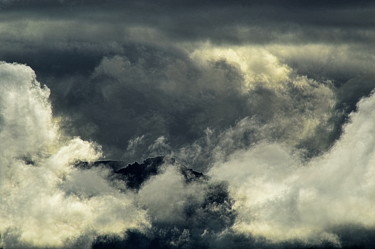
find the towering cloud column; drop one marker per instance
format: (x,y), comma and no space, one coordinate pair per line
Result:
(45,200)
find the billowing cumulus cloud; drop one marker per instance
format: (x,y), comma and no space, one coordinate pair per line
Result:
(45,201)
(281,198)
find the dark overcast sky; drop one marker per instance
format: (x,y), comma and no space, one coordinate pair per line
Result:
(178,21)
(64,41)
(224,87)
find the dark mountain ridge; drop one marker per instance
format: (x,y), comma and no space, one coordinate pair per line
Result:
(135,174)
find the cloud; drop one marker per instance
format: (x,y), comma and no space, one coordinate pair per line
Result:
(279,197)
(279,105)
(256,64)
(183,213)
(153,93)
(257,93)
(166,196)
(138,90)
(229,22)
(43,202)
(193,70)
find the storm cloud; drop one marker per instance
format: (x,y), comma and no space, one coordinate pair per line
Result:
(270,100)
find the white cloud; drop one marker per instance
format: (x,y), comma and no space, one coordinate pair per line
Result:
(45,200)
(280,198)
(166,195)
(257,64)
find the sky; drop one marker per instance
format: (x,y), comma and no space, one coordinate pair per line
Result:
(272,100)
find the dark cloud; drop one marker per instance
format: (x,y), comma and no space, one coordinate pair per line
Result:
(157,94)
(148,100)
(220,21)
